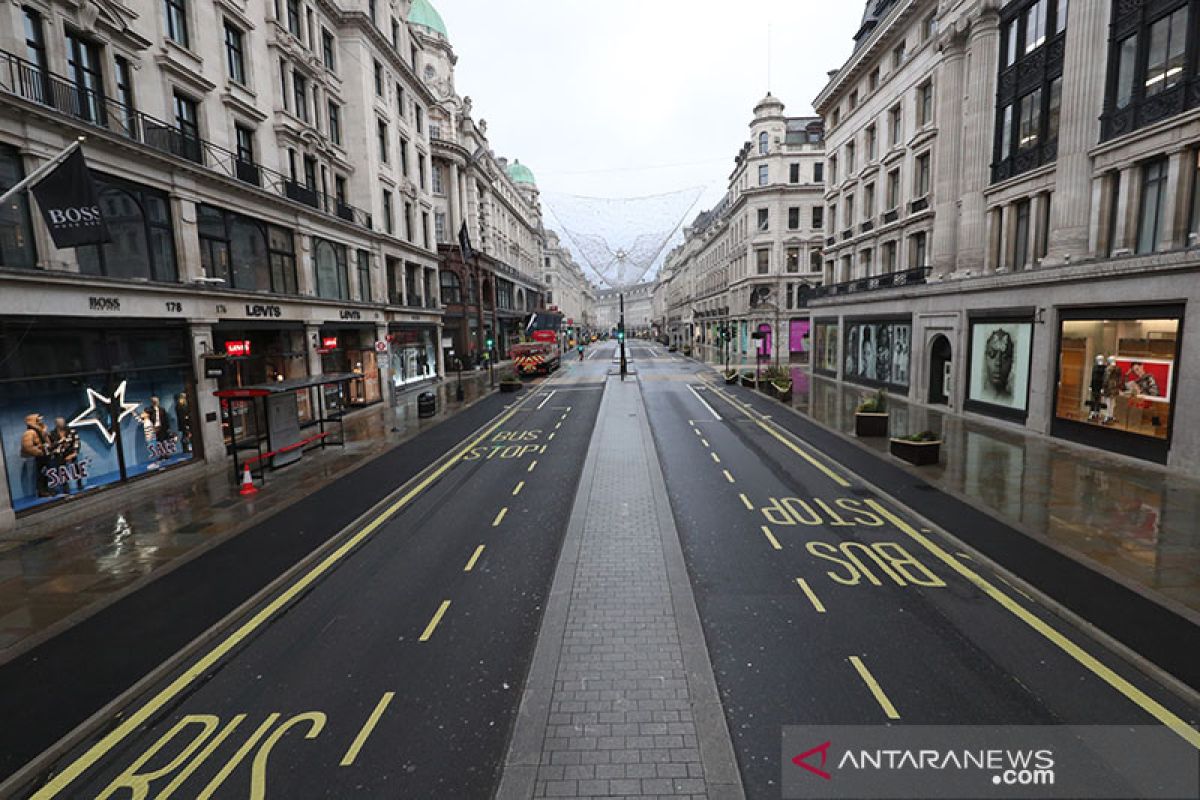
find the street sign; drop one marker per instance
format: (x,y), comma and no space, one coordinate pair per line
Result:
(381,347)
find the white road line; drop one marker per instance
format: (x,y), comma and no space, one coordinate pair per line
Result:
(547,400)
(711,410)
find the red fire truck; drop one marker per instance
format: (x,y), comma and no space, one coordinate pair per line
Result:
(543,354)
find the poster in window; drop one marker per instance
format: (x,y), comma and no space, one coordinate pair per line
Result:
(878,352)
(1000,353)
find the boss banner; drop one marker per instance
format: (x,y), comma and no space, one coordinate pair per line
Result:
(67,199)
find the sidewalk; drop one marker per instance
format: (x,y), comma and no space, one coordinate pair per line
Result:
(1133,522)
(621,698)
(59,569)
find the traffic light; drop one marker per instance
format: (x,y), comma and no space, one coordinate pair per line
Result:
(490,342)
(620,336)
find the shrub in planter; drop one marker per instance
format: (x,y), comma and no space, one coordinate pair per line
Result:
(748,380)
(731,377)
(871,416)
(687,351)
(782,390)
(918,449)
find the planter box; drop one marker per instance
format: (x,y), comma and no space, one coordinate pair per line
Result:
(513,386)
(731,379)
(749,382)
(782,391)
(918,454)
(870,424)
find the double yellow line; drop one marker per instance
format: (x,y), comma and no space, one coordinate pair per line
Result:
(1047,631)
(206,662)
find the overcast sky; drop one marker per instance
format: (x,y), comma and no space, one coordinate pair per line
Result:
(625,98)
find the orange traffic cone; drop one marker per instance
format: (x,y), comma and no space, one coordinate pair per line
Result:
(248,482)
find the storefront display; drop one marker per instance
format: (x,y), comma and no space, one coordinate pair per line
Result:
(413,355)
(84,407)
(1001,352)
(257,355)
(346,349)
(798,340)
(826,359)
(877,352)
(1116,380)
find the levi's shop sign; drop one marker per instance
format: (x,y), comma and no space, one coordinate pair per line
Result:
(329,343)
(239,347)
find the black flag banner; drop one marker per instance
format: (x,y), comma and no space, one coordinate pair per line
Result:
(67,199)
(464,243)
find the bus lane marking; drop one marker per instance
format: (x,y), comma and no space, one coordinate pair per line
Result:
(474,557)
(811,595)
(64,778)
(433,622)
(746,501)
(499,517)
(728,477)
(771,538)
(704,402)
(367,728)
(1084,658)
(876,689)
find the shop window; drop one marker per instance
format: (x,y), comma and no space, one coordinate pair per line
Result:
(877,353)
(1118,375)
(142,242)
(1000,357)
(332,279)
(273,356)
(246,253)
(82,407)
(16,231)
(825,359)
(413,355)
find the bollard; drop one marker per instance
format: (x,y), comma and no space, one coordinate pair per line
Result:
(426,404)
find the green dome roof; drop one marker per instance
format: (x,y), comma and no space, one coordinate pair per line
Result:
(423,13)
(521,173)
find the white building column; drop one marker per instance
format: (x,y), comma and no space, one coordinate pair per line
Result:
(1079,129)
(455,199)
(384,362)
(977,119)
(312,333)
(1173,215)
(211,436)
(947,187)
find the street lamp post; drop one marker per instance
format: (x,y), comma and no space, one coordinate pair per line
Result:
(621,333)
(458,391)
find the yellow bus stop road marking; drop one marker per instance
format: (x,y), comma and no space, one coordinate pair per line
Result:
(715,457)
(433,623)
(532,465)
(499,517)
(746,502)
(875,688)
(139,717)
(1090,662)
(728,477)
(367,728)
(520,485)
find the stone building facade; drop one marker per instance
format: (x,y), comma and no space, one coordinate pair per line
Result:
(486,297)
(265,172)
(568,290)
(1037,264)
(639,309)
(747,264)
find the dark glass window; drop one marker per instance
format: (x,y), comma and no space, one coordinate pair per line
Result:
(328,57)
(1154,195)
(245,144)
(793,218)
(1152,62)
(793,173)
(246,253)
(1021,245)
(364,276)
(293,17)
(451,287)
(83,67)
(16,232)
(124,81)
(138,219)
(300,95)
(175,12)
(335,123)
(332,278)
(1029,88)
(235,56)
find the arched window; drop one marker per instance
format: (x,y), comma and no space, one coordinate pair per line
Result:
(763,143)
(521,300)
(142,243)
(451,287)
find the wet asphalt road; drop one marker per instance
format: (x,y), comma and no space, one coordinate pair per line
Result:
(808,595)
(396,673)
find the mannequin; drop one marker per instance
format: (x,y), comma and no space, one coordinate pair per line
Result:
(1112,388)
(1097,387)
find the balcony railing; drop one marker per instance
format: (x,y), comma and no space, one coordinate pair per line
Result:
(888,280)
(94,109)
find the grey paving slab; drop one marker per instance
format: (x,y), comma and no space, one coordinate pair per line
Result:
(621,698)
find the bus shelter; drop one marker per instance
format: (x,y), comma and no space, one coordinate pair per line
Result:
(286,440)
